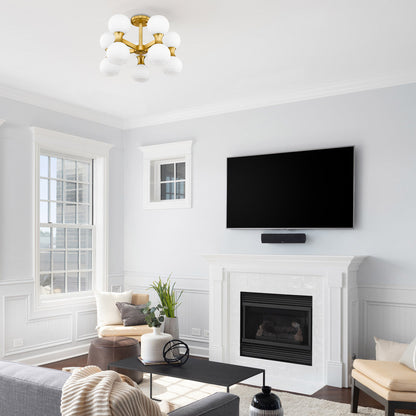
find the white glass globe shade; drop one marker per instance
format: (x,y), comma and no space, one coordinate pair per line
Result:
(172,39)
(141,73)
(106,40)
(119,23)
(173,66)
(118,53)
(158,24)
(109,69)
(158,54)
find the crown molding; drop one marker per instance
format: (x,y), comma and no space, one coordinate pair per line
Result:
(248,103)
(63,107)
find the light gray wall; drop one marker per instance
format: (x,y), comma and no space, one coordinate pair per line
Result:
(67,330)
(380,124)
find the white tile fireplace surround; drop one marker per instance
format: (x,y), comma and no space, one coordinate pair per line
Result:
(330,280)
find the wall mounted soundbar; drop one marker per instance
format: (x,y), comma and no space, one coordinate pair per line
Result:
(283,238)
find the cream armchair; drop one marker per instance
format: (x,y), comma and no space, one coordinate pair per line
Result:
(135,332)
(390,383)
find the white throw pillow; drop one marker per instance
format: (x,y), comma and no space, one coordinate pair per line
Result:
(107,311)
(409,356)
(389,350)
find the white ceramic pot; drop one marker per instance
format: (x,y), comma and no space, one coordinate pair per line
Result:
(152,345)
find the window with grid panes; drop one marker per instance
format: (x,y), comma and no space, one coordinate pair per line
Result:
(172,180)
(66,224)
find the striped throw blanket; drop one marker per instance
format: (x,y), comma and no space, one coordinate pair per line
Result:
(92,392)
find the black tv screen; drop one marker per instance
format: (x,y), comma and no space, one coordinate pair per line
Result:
(307,189)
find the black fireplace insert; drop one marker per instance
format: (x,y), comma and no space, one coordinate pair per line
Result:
(276,327)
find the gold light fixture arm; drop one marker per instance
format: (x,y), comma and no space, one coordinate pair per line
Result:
(141,49)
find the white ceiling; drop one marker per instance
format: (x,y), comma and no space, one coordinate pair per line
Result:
(236,54)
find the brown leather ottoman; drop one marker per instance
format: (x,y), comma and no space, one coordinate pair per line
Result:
(104,351)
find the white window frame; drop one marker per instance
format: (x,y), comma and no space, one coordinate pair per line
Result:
(153,157)
(63,144)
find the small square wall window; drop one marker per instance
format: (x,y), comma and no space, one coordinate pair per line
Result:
(167,175)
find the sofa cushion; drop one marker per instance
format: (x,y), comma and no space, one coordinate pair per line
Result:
(30,391)
(409,356)
(388,374)
(123,331)
(131,314)
(107,311)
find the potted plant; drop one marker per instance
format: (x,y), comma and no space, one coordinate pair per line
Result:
(154,316)
(169,299)
(152,344)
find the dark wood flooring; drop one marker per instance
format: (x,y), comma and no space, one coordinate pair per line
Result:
(333,394)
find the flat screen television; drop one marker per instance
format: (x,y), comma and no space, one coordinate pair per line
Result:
(294,190)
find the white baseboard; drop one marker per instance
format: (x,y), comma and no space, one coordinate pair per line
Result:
(199,351)
(51,357)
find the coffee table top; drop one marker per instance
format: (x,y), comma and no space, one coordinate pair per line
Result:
(195,369)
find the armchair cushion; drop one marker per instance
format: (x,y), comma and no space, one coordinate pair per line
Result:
(123,331)
(387,374)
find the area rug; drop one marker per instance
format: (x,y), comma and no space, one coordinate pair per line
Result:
(182,392)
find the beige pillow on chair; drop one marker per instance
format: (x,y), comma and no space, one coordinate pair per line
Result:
(389,350)
(409,356)
(107,311)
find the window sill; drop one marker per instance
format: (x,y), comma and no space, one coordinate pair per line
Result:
(65,300)
(170,204)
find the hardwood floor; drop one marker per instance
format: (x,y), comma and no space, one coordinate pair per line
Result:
(333,394)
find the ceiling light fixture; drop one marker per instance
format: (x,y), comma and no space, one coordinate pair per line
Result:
(159,52)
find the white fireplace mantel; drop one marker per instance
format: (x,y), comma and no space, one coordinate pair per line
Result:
(332,283)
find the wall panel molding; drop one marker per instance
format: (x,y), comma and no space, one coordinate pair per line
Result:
(48,357)
(17,327)
(86,320)
(387,313)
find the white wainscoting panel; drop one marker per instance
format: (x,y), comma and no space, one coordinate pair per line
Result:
(86,322)
(23,333)
(193,311)
(387,313)
(38,337)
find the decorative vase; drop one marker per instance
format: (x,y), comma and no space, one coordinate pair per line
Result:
(152,345)
(172,327)
(266,404)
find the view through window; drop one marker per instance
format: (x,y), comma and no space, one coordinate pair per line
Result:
(66,224)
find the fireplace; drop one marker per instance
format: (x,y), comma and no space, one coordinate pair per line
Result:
(276,327)
(330,281)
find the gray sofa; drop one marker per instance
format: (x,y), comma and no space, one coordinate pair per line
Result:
(36,391)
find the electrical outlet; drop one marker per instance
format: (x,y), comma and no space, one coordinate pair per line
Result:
(206,333)
(196,332)
(18,342)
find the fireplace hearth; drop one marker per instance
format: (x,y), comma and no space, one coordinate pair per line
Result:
(276,327)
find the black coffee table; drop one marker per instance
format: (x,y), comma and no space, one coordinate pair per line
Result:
(195,369)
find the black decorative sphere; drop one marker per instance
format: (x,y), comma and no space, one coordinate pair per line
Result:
(176,352)
(266,403)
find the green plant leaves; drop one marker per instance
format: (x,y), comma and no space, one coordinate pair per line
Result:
(154,316)
(169,297)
